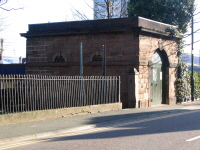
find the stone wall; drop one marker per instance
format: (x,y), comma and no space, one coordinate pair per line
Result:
(56,113)
(148,45)
(122,54)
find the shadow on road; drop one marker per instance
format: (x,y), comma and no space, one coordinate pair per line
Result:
(182,122)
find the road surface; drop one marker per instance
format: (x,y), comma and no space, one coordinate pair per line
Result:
(179,131)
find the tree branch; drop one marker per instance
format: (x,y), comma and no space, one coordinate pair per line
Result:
(3,2)
(10,9)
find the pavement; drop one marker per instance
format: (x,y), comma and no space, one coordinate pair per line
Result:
(52,127)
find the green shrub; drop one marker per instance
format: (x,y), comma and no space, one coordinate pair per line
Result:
(196,84)
(183,88)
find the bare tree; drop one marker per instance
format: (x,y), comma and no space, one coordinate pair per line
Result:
(5,8)
(103,9)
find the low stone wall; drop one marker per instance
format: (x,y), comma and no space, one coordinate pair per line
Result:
(56,113)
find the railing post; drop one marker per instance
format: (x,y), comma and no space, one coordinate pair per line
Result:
(81,59)
(119,89)
(81,91)
(104,60)
(81,73)
(104,89)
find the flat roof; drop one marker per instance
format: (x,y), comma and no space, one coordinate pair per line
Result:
(101,25)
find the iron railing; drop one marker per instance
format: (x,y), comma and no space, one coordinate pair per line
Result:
(20,93)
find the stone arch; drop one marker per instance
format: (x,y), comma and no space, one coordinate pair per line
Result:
(164,57)
(163,76)
(96,53)
(97,58)
(59,55)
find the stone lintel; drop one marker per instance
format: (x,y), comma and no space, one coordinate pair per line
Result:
(90,63)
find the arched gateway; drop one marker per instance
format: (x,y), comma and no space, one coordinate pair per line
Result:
(159,79)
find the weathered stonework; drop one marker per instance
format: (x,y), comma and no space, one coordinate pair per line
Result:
(130,43)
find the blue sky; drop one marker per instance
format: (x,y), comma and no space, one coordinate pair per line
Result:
(43,11)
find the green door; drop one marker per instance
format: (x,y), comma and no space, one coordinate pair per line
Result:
(156,79)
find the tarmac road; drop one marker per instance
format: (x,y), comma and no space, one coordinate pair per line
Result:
(174,131)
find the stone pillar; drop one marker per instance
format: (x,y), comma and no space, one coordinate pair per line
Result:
(133,92)
(172,80)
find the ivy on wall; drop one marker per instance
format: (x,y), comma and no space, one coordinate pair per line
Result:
(183,82)
(183,87)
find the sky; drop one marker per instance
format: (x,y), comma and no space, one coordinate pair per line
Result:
(33,12)
(196,32)
(44,11)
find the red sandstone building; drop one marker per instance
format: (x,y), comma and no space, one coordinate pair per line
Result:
(138,49)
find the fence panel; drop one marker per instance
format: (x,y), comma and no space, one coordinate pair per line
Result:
(19,93)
